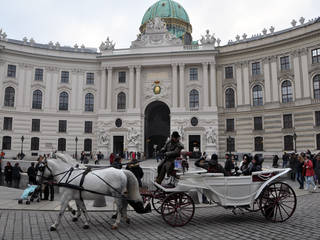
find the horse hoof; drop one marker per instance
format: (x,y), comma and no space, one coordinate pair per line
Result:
(128,221)
(114,227)
(52,228)
(86,226)
(74,219)
(73,212)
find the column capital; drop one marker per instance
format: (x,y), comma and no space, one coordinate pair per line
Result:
(181,65)
(108,68)
(213,63)
(205,64)
(174,65)
(138,67)
(131,67)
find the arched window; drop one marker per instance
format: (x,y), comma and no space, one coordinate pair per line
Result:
(121,101)
(89,102)
(61,144)
(6,143)
(9,97)
(63,101)
(230,98)
(288,143)
(35,144)
(257,95)
(316,86)
(258,144)
(88,145)
(194,99)
(286,90)
(37,99)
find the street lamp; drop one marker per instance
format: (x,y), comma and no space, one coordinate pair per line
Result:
(21,153)
(76,154)
(295,142)
(229,145)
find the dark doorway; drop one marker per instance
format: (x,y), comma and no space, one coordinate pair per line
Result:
(118,145)
(195,146)
(156,127)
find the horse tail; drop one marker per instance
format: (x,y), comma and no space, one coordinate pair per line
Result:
(132,186)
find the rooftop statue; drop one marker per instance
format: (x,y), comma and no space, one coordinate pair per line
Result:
(107,45)
(208,39)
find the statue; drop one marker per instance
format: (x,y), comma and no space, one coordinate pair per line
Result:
(181,131)
(211,136)
(104,138)
(133,136)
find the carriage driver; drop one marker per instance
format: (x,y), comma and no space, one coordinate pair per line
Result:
(171,151)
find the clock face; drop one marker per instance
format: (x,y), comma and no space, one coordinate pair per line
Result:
(194,121)
(118,122)
(157,89)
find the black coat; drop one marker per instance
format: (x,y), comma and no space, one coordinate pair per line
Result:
(16,170)
(8,173)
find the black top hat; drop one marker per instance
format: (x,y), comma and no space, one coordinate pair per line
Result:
(175,134)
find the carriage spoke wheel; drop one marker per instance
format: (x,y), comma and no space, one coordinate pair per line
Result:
(278,202)
(157,200)
(177,209)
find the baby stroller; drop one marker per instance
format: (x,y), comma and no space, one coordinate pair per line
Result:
(31,193)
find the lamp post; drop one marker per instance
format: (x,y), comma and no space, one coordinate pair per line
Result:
(229,145)
(295,142)
(76,153)
(21,153)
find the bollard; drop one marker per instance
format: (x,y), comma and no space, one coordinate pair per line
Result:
(100,202)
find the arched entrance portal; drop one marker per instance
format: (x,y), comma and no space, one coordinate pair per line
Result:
(156,126)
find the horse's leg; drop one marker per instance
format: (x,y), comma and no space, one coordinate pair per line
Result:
(73,212)
(75,218)
(119,213)
(64,204)
(124,211)
(84,209)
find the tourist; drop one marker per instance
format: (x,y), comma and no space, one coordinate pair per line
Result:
(317,169)
(309,173)
(285,159)
(117,162)
(8,174)
(229,165)
(134,167)
(16,175)
(275,161)
(32,174)
(299,171)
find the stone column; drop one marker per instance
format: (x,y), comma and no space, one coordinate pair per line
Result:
(213,85)
(131,87)
(246,86)
(55,74)
(274,76)
(74,92)
(267,81)
(20,92)
(103,81)
(174,85)
(27,88)
(297,75)
(3,74)
(138,87)
(239,84)
(305,73)
(205,85)
(109,89)
(181,92)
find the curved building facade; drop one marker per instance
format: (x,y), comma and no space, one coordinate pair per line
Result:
(257,95)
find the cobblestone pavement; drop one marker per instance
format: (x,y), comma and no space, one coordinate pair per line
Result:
(207,223)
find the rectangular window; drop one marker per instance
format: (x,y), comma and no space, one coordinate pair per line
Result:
(256,68)
(287,121)
(317,118)
(257,123)
(12,71)
(38,76)
(64,77)
(90,78)
(62,126)
(35,125)
(88,127)
(122,77)
(284,63)
(230,125)
(7,123)
(193,74)
(315,55)
(228,72)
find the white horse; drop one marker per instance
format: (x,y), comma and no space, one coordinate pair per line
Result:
(79,184)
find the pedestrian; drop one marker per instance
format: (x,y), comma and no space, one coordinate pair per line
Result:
(82,157)
(32,174)
(16,175)
(111,158)
(292,165)
(299,171)
(317,169)
(134,167)
(228,165)
(275,161)
(117,162)
(8,174)
(285,159)
(309,173)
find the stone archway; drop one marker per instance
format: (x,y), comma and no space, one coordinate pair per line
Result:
(156,126)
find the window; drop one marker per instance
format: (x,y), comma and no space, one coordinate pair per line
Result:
(286,90)
(63,101)
(318,141)
(287,121)
(12,71)
(256,68)
(88,127)
(288,143)
(193,74)
(87,145)
(284,63)
(228,72)
(35,125)
(317,118)
(38,76)
(62,144)
(257,122)
(257,95)
(37,99)
(258,144)
(7,123)
(90,78)
(316,86)
(89,102)
(230,98)
(64,77)
(6,143)
(62,126)
(122,77)
(121,104)
(230,144)
(35,144)
(315,55)
(230,125)
(194,99)
(9,97)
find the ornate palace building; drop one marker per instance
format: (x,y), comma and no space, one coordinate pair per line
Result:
(257,94)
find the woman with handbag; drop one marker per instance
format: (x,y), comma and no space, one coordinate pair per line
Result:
(309,173)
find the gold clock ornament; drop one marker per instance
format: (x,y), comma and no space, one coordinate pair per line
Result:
(156,88)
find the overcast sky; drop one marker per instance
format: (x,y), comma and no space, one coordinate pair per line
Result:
(89,22)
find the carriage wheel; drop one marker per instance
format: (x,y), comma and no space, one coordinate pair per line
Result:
(278,202)
(177,209)
(157,200)
(255,207)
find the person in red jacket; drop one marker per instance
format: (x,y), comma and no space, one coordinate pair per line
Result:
(309,173)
